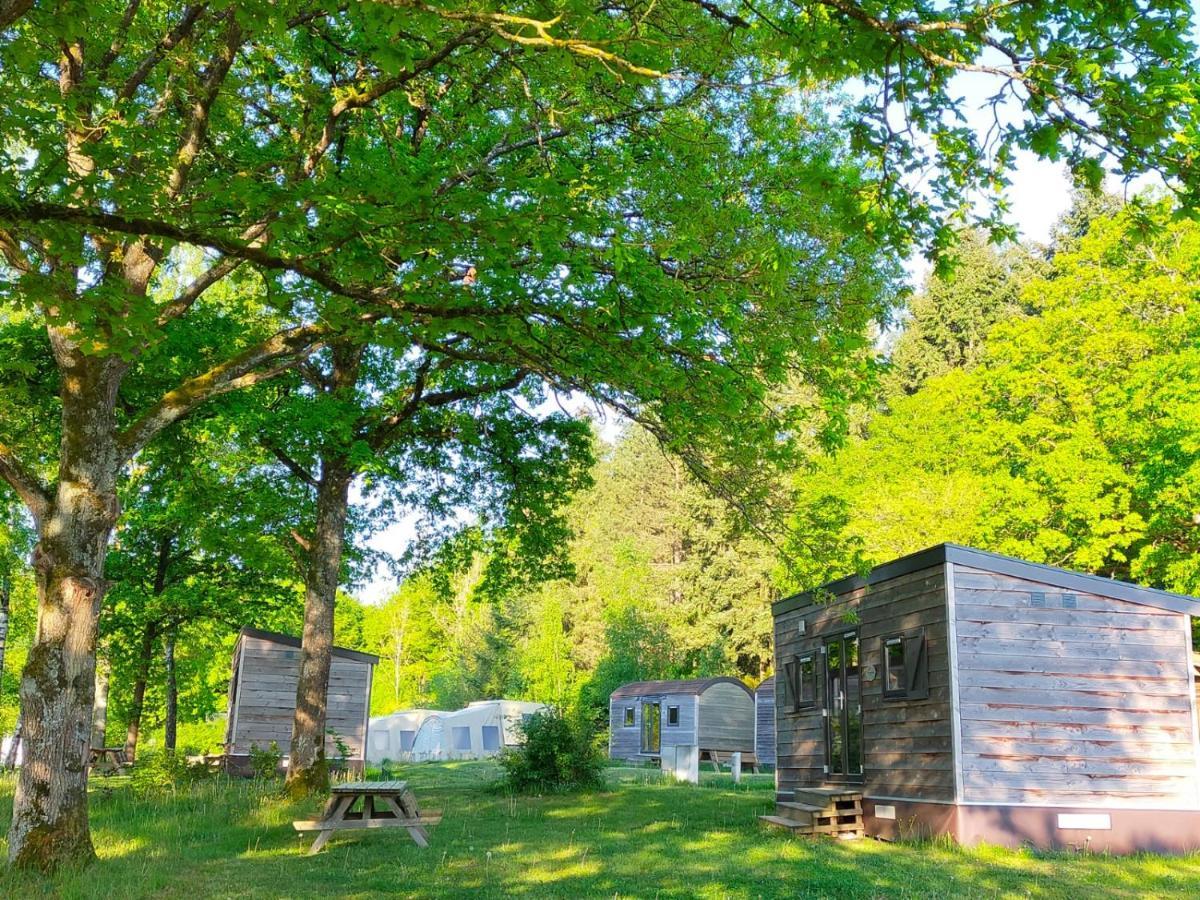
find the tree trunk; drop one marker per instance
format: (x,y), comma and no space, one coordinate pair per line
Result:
(100,709)
(50,809)
(5,600)
(146,654)
(172,695)
(307,769)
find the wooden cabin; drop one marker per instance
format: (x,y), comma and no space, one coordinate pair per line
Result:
(262,697)
(965,693)
(648,719)
(764,722)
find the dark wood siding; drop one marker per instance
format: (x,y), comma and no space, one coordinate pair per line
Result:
(908,744)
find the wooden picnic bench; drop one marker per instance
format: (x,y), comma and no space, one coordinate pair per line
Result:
(396,808)
(108,760)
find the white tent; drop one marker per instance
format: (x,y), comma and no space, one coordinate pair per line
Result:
(391,737)
(483,728)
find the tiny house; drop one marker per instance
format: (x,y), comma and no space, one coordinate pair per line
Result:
(960,692)
(262,697)
(650,718)
(764,722)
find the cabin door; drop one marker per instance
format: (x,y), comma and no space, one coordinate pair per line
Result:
(651,727)
(843,709)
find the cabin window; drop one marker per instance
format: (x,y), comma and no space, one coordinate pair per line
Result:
(905,667)
(629,717)
(672,715)
(406,740)
(800,683)
(807,693)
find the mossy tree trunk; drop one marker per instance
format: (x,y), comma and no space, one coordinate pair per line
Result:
(308,770)
(50,820)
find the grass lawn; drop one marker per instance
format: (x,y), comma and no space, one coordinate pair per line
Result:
(644,838)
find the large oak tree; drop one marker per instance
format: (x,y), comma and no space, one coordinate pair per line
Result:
(623,201)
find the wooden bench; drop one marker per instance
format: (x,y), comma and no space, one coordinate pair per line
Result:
(108,760)
(396,808)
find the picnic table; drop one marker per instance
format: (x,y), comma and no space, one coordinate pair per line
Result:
(108,760)
(381,804)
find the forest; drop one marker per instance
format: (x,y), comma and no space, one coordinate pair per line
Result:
(607,305)
(1039,401)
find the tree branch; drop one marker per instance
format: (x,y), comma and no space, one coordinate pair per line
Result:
(11,10)
(169,41)
(27,485)
(290,464)
(278,353)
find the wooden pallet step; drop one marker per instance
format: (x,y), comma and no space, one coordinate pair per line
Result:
(781,822)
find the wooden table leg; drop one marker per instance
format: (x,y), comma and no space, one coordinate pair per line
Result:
(335,812)
(416,832)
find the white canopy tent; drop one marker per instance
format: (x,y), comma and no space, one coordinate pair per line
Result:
(391,737)
(482,729)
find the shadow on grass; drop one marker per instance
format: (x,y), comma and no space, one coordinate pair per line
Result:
(233,839)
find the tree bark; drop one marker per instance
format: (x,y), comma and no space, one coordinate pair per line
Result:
(172,695)
(307,768)
(146,654)
(50,808)
(5,600)
(100,708)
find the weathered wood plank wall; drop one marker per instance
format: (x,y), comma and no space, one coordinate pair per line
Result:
(1086,701)
(626,743)
(764,725)
(726,719)
(265,698)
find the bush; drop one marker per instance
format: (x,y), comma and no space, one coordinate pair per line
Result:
(158,770)
(264,763)
(558,755)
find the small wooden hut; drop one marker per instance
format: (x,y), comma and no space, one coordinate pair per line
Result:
(262,697)
(650,718)
(764,722)
(966,693)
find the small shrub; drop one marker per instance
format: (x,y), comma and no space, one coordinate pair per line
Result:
(558,755)
(158,770)
(264,763)
(338,763)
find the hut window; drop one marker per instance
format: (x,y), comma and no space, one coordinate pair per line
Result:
(672,715)
(905,667)
(406,740)
(807,694)
(629,717)
(800,683)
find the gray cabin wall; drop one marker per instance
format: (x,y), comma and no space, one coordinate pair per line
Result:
(626,743)
(726,718)
(764,722)
(908,747)
(263,702)
(1090,706)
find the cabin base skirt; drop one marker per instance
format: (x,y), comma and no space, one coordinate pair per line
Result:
(1108,830)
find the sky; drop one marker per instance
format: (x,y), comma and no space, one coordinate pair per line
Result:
(1039,193)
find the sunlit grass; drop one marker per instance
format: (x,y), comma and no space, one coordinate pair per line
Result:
(643,838)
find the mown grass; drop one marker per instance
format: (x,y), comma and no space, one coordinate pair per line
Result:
(643,838)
